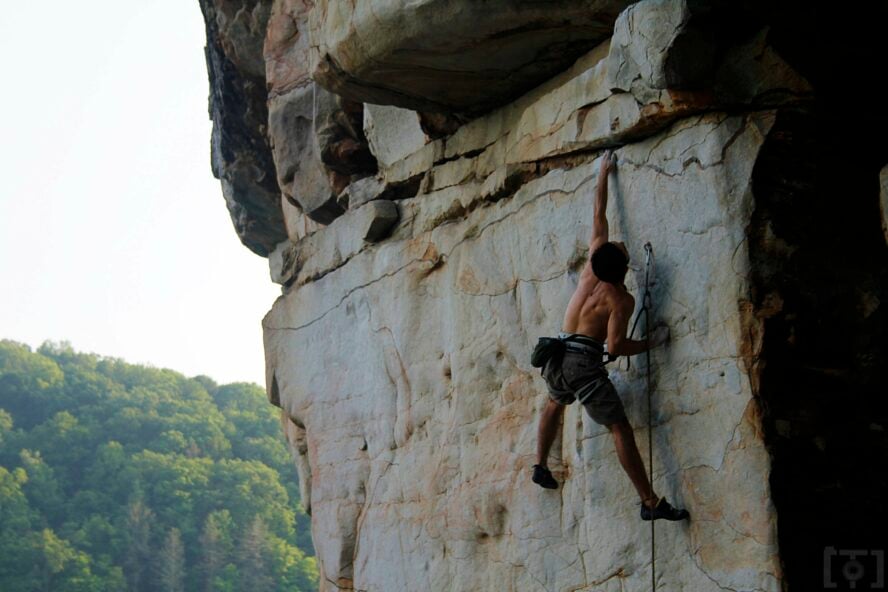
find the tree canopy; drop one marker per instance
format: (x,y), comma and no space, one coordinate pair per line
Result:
(121,477)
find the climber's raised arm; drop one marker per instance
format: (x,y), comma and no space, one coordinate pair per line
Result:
(599,219)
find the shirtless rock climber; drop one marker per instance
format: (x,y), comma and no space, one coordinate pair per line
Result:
(599,311)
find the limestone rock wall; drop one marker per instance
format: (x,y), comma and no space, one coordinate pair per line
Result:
(435,187)
(413,383)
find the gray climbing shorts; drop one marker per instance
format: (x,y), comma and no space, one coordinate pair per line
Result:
(581,376)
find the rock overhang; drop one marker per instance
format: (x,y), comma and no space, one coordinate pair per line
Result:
(450,56)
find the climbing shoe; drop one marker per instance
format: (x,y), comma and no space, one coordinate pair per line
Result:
(543,477)
(663,511)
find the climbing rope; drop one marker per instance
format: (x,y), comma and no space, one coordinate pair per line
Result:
(645,301)
(646,304)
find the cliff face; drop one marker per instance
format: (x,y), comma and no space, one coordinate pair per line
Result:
(434,169)
(405,373)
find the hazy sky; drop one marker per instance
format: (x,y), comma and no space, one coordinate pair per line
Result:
(113,232)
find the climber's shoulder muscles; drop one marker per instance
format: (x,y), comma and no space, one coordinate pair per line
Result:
(585,286)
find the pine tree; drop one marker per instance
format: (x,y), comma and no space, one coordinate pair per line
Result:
(171,569)
(253,566)
(138,553)
(215,545)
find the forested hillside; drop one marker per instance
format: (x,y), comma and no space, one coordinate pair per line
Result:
(119,477)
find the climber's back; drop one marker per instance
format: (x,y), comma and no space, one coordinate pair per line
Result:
(598,302)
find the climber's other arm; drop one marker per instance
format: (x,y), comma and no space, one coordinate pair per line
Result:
(618,344)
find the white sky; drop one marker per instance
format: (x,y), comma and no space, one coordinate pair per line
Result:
(113,232)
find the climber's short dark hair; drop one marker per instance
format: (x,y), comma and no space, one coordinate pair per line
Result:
(609,263)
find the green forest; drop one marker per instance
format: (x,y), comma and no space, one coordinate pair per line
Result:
(120,477)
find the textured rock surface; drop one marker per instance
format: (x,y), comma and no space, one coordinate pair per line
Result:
(361,191)
(393,133)
(318,253)
(444,55)
(303,177)
(426,251)
(286,48)
(298,224)
(419,404)
(645,36)
(578,111)
(241,157)
(318,144)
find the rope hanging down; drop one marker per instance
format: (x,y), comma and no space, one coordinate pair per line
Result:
(646,305)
